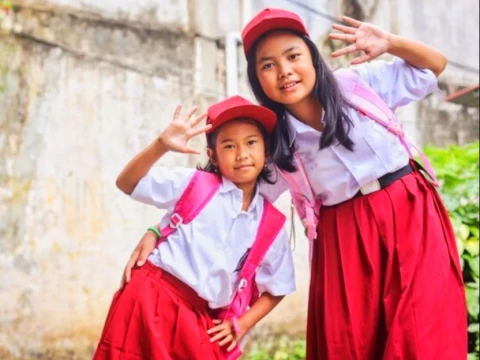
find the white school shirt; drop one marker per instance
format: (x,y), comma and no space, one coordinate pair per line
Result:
(335,173)
(205,253)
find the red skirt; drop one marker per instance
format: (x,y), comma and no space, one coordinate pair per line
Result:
(157,317)
(386,281)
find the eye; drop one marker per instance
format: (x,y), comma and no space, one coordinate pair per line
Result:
(267,66)
(293,56)
(228,147)
(252,142)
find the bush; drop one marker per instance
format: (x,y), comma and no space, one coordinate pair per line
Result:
(457,169)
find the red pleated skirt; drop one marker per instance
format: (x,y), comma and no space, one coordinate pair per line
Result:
(157,317)
(386,281)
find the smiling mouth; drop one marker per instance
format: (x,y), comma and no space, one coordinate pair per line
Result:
(243,167)
(289,85)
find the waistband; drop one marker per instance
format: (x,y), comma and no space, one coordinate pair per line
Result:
(384,181)
(175,285)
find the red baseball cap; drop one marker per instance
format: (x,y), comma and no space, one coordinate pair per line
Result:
(267,20)
(237,107)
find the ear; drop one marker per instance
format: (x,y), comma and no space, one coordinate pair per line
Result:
(211,156)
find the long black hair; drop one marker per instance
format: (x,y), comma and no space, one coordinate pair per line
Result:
(337,124)
(212,140)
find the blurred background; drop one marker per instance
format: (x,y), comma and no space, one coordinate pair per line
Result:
(86,84)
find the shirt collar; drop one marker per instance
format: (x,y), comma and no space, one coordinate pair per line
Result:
(295,127)
(228,186)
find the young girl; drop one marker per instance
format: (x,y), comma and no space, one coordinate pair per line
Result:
(386,281)
(162,313)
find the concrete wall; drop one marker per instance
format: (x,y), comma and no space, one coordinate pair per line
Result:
(86,84)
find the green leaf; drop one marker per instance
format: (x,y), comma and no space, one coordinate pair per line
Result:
(471,291)
(474,327)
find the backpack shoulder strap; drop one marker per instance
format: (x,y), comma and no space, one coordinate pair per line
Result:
(364,99)
(303,198)
(198,193)
(270,225)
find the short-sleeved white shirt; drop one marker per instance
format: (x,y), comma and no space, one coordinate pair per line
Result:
(206,253)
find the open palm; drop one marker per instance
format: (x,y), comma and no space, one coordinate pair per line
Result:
(370,39)
(177,135)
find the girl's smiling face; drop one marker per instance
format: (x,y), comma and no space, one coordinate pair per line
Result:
(239,152)
(284,68)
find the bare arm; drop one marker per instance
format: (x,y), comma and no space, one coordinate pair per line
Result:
(373,42)
(140,165)
(224,331)
(174,138)
(258,311)
(417,54)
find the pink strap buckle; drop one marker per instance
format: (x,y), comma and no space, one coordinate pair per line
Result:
(175,221)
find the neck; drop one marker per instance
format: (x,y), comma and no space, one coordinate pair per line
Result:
(309,112)
(248,194)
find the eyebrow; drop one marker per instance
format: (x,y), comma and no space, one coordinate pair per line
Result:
(248,137)
(266,58)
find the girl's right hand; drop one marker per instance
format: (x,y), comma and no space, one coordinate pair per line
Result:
(139,255)
(176,136)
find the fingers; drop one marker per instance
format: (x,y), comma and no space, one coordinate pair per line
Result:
(197,120)
(122,280)
(177,112)
(346,50)
(228,338)
(351,21)
(342,37)
(195,132)
(130,265)
(144,252)
(224,334)
(232,345)
(189,114)
(190,150)
(361,59)
(345,29)
(216,328)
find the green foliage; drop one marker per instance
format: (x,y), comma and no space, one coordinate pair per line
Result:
(458,171)
(277,348)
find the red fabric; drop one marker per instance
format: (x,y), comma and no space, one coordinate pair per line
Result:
(238,107)
(267,20)
(157,317)
(386,281)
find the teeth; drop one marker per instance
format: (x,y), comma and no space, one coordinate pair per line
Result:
(289,85)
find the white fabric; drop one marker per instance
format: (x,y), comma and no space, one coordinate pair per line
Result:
(335,173)
(205,253)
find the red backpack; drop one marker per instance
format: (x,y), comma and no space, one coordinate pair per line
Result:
(198,193)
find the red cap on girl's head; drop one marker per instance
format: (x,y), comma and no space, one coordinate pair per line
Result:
(237,107)
(267,20)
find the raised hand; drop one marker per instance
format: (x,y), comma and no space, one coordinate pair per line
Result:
(175,137)
(370,39)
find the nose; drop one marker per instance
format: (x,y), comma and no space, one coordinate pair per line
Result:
(242,153)
(284,71)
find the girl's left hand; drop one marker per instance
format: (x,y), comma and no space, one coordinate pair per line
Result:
(225,333)
(365,37)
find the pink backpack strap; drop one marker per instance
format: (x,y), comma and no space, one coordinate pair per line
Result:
(363,98)
(303,198)
(270,225)
(198,193)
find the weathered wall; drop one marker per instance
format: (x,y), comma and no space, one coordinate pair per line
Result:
(79,96)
